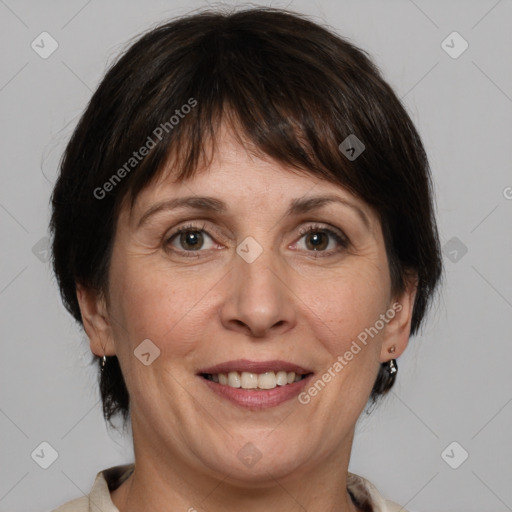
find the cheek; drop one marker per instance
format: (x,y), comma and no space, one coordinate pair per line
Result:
(150,304)
(345,306)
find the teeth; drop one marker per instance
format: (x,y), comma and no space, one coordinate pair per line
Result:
(281,378)
(234,380)
(267,380)
(249,380)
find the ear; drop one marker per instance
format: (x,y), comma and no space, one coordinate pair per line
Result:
(96,321)
(398,329)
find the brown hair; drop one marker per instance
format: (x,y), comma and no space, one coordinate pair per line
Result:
(295,90)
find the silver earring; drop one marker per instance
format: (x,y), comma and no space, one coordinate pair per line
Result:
(392,367)
(103,362)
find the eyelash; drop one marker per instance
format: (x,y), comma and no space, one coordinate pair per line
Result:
(313,228)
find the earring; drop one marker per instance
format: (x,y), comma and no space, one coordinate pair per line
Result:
(103,362)
(392,367)
(391,350)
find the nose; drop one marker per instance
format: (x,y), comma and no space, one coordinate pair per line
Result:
(259,301)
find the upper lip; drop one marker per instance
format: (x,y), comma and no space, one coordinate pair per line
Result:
(246,365)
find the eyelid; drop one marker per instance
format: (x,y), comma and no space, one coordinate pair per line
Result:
(314,226)
(194,226)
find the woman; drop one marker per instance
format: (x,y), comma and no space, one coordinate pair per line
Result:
(243,224)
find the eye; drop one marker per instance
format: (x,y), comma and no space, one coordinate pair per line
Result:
(191,238)
(318,238)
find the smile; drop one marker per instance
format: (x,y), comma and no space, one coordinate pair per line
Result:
(257,398)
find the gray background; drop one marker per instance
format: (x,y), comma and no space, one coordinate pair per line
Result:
(454,381)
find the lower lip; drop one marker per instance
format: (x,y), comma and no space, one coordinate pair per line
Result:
(258,399)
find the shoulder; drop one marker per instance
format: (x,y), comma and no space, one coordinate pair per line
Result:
(391,506)
(369,496)
(99,496)
(77,505)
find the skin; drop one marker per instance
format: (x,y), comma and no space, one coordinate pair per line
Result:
(199,311)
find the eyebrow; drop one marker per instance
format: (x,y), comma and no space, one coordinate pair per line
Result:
(211,204)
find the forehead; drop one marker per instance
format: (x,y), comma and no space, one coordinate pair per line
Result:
(245,180)
(234,168)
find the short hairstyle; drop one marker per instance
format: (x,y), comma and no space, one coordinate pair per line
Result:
(294,90)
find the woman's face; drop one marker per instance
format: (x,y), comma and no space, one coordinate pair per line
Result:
(242,283)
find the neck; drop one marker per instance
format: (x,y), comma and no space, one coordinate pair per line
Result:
(165,481)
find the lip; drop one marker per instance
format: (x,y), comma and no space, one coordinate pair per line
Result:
(246,365)
(257,399)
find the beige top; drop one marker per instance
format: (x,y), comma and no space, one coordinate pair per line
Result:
(363,492)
